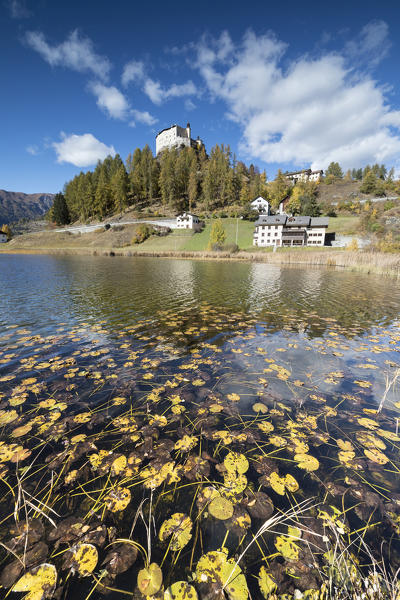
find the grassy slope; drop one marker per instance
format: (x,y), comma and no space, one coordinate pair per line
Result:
(344,225)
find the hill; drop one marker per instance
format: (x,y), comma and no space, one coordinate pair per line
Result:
(15,206)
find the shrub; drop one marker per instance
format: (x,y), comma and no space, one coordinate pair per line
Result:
(353,246)
(331,213)
(142,232)
(388,205)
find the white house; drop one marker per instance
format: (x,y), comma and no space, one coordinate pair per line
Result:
(281,230)
(3,237)
(261,205)
(176,137)
(304,175)
(188,221)
(317,231)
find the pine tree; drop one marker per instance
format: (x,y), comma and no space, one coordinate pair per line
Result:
(369,182)
(335,169)
(119,189)
(59,210)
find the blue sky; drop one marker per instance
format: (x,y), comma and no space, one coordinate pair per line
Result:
(287,85)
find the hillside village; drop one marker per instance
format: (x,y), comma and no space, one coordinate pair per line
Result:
(183,187)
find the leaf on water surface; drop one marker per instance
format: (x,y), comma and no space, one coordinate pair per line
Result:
(180,590)
(259,407)
(376,456)
(7,417)
(215,568)
(266,583)
(233,397)
(118,465)
(236,463)
(120,558)
(84,559)
(277,483)
(265,426)
(368,423)
(306,462)
(149,580)
(186,443)
(38,582)
(345,445)
(118,499)
(291,483)
(287,547)
(179,526)
(221,508)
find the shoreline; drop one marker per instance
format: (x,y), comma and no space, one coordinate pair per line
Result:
(362,261)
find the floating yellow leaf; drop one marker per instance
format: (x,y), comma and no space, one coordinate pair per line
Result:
(259,407)
(291,483)
(38,582)
(277,483)
(118,465)
(287,547)
(84,559)
(306,462)
(376,456)
(179,526)
(235,462)
(266,583)
(118,499)
(265,426)
(221,508)
(368,423)
(150,579)
(180,590)
(216,568)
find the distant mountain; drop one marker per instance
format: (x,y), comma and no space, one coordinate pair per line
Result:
(16,205)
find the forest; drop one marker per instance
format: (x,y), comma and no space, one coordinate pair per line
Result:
(187,179)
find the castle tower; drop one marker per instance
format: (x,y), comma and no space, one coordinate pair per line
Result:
(188,132)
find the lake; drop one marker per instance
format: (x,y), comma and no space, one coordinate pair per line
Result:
(197,429)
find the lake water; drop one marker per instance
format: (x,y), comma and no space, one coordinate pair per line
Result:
(215,394)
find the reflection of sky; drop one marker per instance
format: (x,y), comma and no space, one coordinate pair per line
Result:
(264,284)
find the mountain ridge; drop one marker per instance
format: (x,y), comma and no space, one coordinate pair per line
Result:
(15,206)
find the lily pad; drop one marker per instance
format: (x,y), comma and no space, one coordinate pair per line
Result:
(306,462)
(149,580)
(38,582)
(216,568)
(118,499)
(179,526)
(180,590)
(287,547)
(236,463)
(84,559)
(221,508)
(266,583)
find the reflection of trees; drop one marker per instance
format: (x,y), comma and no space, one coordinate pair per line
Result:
(125,290)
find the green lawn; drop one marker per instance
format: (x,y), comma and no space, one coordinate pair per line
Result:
(187,240)
(237,231)
(344,225)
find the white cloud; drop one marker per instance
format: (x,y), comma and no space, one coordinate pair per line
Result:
(143,117)
(158,94)
(110,100)
(133,71)
(312,111)
(81,150)
(189,105)
(33,149)
(76,53)
(371,45)
(18,9)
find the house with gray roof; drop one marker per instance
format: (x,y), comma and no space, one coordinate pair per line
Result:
(281,230)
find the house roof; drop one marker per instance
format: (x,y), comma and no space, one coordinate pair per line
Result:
(319,221)
(258,199)
(308,171)
(273,220)
(185,214)
(298,221)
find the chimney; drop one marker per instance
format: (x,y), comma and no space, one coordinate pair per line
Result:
(188,130)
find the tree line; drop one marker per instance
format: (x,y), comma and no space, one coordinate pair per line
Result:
(184,178)
(179,179)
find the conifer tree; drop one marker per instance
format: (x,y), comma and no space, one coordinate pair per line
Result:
(59,210)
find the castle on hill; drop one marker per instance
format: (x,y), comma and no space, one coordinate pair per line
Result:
(176,137)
